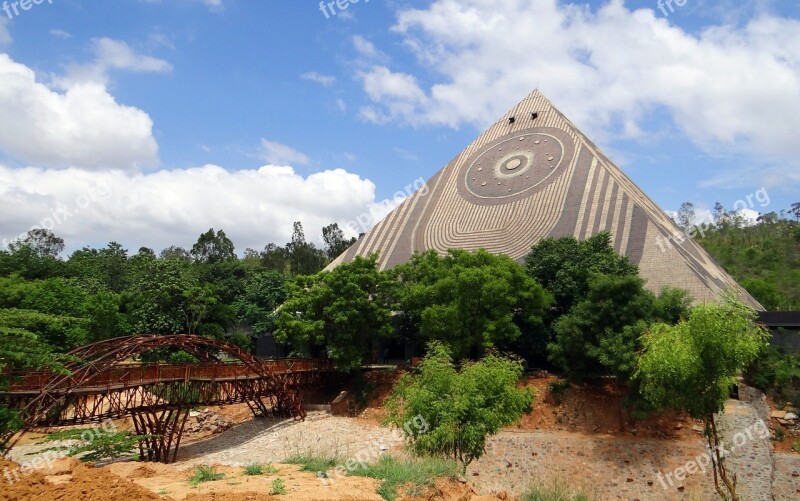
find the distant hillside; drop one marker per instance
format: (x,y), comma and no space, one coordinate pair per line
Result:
(764,259)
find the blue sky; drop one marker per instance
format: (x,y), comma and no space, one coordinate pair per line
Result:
(147,122)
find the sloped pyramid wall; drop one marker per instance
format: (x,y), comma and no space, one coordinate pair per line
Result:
(530,178)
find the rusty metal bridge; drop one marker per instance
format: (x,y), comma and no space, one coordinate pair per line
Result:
(102,382)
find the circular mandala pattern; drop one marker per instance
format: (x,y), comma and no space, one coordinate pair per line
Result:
(515,165)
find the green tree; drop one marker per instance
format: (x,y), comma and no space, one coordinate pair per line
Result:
(256,307)
(61,332)
(460,409)
(565,266)
(275,258)
(341,311)
(795,210)
(304,257)
(470,300)
(686,215)
(335,242)
(160,298)
(42,242)
(600,335)
(213,247)
(21,349)
(693,364)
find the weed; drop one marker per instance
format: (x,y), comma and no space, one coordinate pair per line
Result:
(418,474)
(317,464)
(556,490)
(205,473)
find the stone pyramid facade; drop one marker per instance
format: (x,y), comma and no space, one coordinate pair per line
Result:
(534,175)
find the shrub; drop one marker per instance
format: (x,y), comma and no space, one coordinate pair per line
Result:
(205,473)
(796,446)
(278,487)
(95,444)
(459,409)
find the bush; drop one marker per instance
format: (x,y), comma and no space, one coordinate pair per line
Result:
(278,487)
(95,444)
(205,473)
(417,474)
(796,446)
(455,411)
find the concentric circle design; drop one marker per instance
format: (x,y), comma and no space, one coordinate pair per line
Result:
(515,164)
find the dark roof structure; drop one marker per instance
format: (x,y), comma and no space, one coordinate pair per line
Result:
(534,175)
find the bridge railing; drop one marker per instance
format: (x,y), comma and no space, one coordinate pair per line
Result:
(136,374)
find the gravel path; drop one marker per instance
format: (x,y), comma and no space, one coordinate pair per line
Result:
(265,440)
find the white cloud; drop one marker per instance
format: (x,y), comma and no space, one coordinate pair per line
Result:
(165,208)
(730,89)
(325,80)
(60,33)
(367,49)
(83,126)
(110,54)
(281,154)
(5,36)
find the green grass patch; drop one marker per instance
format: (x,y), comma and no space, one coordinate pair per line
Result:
(557,490)
(205,473)
(317,464)
(255,469)
(420,473)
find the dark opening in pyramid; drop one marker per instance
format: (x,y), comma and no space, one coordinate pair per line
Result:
(533,177)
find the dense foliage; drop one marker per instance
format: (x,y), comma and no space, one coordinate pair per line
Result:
(692,366)
(470,300)
(764,258)
(339,313)
(460,408)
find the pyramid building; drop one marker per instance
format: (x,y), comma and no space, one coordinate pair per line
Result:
(534,175)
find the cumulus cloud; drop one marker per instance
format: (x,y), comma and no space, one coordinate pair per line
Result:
(281,154)
(173,207)
(732,88)
(83,126)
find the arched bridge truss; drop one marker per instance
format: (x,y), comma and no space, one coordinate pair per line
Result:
(103,383)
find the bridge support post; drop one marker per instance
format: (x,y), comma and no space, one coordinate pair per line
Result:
(162,431)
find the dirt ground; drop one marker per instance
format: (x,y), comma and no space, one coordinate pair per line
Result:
(70,480)
(591,410)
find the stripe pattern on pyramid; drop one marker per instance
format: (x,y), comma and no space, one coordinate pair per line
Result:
(534,175)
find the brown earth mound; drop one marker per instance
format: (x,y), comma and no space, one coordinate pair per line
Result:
(68,480)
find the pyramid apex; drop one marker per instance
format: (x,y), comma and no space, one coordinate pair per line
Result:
(533,175)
